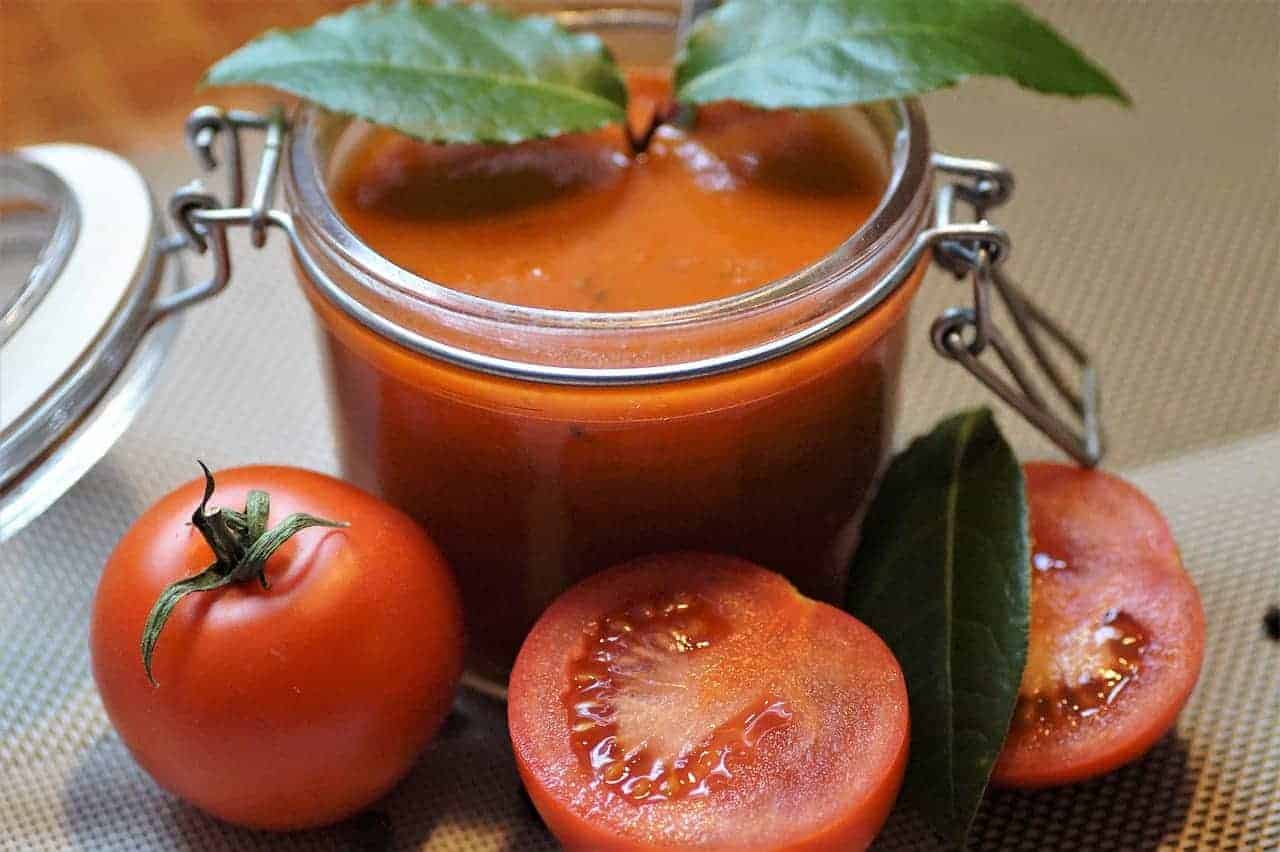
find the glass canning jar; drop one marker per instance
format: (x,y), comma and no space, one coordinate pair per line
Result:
(539,445)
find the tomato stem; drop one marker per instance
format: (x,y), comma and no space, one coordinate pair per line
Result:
(241,545)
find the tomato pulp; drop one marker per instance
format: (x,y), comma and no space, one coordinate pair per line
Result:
(530,486)
(292,706)
(1117,631)
(700,702)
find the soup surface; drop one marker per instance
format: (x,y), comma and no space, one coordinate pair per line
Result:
(577,223)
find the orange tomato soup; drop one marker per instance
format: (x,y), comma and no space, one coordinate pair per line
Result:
(529,486)
(577,223)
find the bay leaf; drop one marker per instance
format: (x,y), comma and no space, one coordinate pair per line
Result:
(446,72)
(943,575)
(823,53)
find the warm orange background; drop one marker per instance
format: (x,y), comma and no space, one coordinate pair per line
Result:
(122,73)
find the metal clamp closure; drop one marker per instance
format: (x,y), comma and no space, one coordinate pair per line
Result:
(964,334)
(202,218)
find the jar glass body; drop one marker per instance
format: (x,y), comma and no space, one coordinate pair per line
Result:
(604,448)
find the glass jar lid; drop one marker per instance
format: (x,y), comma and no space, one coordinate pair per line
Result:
(83,265)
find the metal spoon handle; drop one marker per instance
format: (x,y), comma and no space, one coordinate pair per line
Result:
(689,12)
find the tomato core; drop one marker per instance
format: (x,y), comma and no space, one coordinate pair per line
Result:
(607,689)
(1086,679)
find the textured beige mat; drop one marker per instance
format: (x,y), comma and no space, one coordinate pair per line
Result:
(1154,233)
(65,779)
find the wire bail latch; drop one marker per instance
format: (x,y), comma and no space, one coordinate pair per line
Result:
(202,219)
(965,334)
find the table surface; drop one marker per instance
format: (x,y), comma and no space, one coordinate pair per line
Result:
(1151,232)
(121,74)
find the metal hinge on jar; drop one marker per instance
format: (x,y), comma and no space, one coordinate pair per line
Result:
(202,218)
(965,334)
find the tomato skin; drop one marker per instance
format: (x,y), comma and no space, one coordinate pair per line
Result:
(862,711)
(1120,555)
(290,707)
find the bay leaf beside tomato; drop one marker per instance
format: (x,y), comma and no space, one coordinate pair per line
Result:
(943,576)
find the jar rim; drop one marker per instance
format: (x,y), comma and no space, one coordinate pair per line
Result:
(901,125)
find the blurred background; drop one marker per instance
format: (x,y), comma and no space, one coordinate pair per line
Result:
(122,73)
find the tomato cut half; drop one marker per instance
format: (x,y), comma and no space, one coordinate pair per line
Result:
(1117,631)
(699,701)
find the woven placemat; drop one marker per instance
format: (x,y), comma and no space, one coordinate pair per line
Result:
(1153,233)
(66,780)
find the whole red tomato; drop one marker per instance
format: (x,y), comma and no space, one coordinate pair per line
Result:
(290,702)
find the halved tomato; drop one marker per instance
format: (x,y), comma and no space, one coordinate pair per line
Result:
(1117,631)
(699,701)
